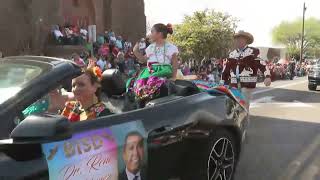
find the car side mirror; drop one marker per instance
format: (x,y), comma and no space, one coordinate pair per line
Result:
(42,129)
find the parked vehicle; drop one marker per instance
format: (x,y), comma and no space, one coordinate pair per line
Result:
(191,135)
(314,77)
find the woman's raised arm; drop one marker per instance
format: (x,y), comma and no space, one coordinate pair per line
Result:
(141,58)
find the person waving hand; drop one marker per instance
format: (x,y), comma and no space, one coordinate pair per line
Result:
(162,63)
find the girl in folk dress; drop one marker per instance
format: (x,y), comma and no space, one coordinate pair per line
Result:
(162,63)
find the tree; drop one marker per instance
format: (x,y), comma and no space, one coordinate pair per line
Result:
(205,34)
(289,34)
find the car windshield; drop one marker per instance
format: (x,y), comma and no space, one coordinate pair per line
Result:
(14,76)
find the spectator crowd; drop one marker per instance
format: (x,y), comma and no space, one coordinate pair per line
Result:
(69,34)
(211,70)
(282,71)
(208,70)
(109,50)
(114,51)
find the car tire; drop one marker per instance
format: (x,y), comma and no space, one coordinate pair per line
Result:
(312,87)
(206,163)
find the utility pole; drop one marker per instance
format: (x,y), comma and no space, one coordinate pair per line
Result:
(302,35)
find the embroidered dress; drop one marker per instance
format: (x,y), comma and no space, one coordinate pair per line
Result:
(74,113)
(146,86)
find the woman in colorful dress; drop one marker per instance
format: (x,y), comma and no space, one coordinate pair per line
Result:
(162,64)
(87,91)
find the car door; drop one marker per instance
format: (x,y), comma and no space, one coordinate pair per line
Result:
(110,151)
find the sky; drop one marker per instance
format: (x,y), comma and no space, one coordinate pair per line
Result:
(256,16)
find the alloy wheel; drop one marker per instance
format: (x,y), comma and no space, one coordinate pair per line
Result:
(221,160)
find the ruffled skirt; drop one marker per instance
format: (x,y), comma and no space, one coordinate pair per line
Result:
(146,86)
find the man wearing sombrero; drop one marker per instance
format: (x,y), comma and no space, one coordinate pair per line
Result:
(243,64)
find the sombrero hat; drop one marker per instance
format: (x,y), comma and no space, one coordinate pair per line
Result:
(246,35)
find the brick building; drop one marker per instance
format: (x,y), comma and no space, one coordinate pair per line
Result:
(25,24)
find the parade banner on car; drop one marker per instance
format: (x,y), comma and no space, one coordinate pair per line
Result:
(101,154)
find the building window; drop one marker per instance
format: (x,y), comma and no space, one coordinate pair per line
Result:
(75,3)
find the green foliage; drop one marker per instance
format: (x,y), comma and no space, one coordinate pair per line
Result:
(205,34)
(289,34)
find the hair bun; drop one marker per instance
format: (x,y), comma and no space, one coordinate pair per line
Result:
(170,28)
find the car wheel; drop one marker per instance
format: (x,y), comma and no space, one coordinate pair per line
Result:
(222,158)
(216,160)
(312,87)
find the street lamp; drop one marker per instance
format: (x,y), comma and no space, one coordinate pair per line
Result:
(302,36)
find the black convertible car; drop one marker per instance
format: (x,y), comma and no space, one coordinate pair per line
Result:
(186,135)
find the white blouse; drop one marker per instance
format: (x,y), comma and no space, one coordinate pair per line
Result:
(161,55)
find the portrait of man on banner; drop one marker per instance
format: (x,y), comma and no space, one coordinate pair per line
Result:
(133,155)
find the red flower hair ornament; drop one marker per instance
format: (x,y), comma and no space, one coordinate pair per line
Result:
(97,72)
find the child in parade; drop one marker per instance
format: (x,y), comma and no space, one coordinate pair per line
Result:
(162,64)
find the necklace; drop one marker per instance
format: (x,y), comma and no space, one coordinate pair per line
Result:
(159,50)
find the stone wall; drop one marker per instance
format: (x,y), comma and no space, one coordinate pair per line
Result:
(44,13)
(128,18)
(15,25)
(25,24)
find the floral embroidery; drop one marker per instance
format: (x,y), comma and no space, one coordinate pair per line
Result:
(147,89)
(236,54)
(92,113)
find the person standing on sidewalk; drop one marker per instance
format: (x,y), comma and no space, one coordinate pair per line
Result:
(242,66)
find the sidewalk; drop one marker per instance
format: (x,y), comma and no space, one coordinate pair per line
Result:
(281,82)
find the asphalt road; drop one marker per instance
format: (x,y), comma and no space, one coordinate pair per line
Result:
(283,140)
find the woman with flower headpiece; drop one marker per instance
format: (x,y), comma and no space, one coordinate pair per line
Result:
(162,64)
(87,91)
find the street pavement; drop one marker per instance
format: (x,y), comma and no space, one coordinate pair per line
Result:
(283,140)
